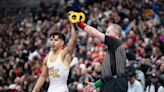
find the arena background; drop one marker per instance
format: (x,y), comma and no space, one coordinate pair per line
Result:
(26,24)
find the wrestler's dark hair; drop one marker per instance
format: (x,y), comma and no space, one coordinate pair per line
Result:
(61,36)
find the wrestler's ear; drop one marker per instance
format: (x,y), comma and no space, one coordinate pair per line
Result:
(62,43)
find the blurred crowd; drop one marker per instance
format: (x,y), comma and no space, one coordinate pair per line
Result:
(24,42)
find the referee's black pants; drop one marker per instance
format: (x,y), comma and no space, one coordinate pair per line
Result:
(119,84)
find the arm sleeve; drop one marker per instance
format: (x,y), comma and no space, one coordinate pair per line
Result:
(98,83)
(161,89)
(112,42)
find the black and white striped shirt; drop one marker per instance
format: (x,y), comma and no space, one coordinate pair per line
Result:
(115,61)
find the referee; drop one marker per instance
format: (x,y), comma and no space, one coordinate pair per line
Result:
(113,67)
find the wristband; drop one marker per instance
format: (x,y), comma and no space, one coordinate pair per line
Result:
(98,83)
(82,25)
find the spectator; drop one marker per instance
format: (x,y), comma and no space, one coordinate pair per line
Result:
(134,85)
(154,85)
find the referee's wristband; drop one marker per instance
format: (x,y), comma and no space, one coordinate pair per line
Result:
(82,25)
(98,83)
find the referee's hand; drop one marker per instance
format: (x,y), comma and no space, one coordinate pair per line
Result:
(89,88)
